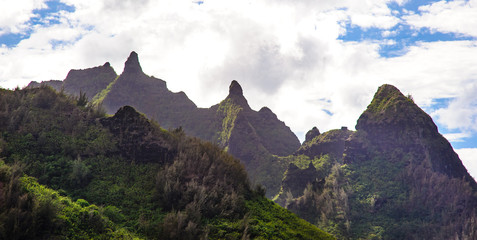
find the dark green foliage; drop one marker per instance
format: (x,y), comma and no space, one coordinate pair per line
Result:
(80,174)
(202,183)
(82,99)
(269,221)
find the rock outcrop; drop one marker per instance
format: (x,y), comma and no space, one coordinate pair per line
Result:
(330,142)
(314,132)
(138,139)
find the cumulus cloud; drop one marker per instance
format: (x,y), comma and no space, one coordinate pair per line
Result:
(14,14)
(458,16)
(461,112)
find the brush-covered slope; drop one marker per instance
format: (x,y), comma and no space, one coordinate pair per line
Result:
(398,178)
(147,181)
(55,84)
(29,210)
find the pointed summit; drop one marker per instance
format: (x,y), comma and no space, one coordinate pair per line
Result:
(236,94)
(235,89)
(390,107)
(393,121)
(132,64)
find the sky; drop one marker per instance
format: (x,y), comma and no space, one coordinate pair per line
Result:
(314,63)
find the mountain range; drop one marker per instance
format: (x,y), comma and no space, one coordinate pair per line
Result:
(249,135)
(395,177)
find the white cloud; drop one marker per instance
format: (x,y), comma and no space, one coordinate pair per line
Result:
(15,14)
(457,137)
(458,16)
(469,159)
(461,112)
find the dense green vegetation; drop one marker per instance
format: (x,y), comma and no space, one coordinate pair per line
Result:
(126,176)
(32,211)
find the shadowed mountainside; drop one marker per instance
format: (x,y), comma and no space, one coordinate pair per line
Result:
(395,177)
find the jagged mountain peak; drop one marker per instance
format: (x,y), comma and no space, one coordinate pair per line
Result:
(236,94)
(235,89)
(132,64)
(393,121)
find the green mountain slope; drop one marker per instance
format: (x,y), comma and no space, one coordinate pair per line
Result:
(147,181)
(396,178)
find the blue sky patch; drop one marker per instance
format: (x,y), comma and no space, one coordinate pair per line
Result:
(327,112)
(44,17)
(11,40)
(395,41)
